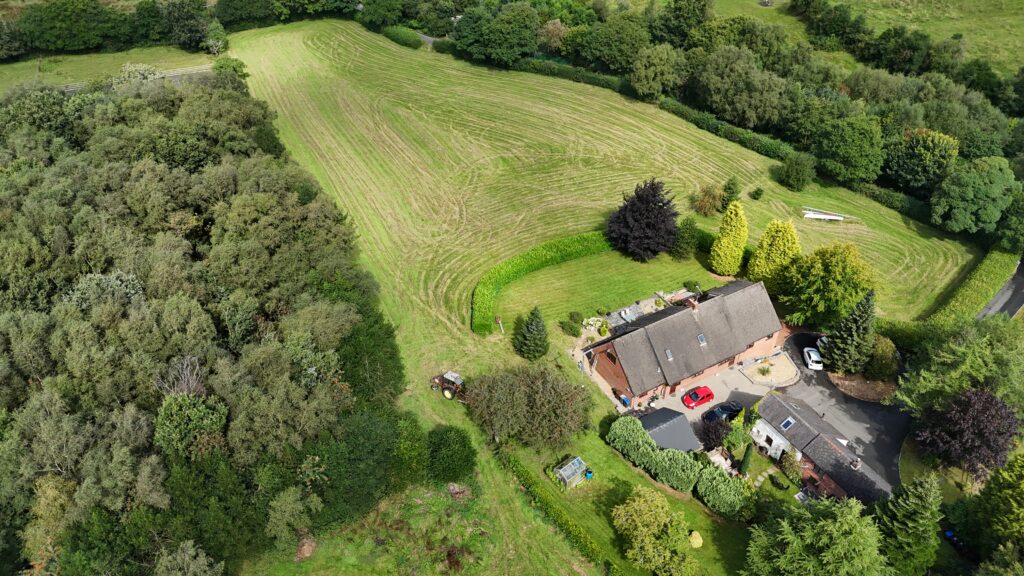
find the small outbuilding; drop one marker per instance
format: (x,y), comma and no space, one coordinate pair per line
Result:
(671,429)
(572,471)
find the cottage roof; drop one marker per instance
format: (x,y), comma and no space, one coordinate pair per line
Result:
(824,445)
(670,429)
(679,341)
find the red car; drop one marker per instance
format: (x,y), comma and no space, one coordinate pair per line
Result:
(697,396)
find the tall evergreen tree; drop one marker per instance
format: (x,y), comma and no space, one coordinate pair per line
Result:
(727,251)
(778,247)
(686,240)
(645,224)
(998,517)
(909,522)
(732,190)
(530,338)
(850,345)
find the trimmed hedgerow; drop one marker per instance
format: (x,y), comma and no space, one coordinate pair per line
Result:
(485,294)
(402,35)
(549,68)
(678,469)
(764,145)
(980,287)
(547,502)
(904,204)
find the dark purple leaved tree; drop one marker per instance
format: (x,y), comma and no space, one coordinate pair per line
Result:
(975,431)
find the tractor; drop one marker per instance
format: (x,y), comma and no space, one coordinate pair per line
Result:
(451,385)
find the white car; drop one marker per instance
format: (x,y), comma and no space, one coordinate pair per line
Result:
(813,359)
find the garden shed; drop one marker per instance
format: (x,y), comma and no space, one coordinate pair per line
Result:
(572,471)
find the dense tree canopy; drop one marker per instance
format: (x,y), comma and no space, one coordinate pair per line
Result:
(909,522)
(825,537)
(974,196)
(921,159)
(975,432)
(778,247)
(852,341)
(825,285)
(182,327)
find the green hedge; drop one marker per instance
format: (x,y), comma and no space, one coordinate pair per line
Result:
(724,494)
(979,288)
(443,46)
(404,36)
(764,145)
(549,68)
(549,505)
(485,294)
(903,203)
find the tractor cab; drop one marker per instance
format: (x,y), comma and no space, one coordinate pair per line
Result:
(451,385)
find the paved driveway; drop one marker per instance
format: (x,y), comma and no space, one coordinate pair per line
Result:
(727,385)
(876,432)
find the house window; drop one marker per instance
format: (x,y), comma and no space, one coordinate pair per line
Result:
(787,424)
(703,341)
(768,440)
(611,356)
(668,354)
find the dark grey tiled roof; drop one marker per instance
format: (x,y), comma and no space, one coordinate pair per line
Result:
(670,429)
(664,348)
(820,441)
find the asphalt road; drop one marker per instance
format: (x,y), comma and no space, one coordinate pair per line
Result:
(1010,298)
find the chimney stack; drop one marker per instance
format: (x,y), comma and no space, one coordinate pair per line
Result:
(692,303)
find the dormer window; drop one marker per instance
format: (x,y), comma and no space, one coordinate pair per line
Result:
(787,424)
(703,341)
(668,355)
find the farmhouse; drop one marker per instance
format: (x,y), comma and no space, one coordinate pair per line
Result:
(670,429)
(674,347)
(828,463)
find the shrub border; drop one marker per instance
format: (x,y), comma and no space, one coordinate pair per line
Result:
(557,251)
(980,286)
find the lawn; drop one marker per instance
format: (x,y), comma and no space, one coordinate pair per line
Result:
(67,69)
(447,168)
(609,281)
(991,28)
(913,465)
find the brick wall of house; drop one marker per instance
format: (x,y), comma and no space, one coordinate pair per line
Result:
(607,365)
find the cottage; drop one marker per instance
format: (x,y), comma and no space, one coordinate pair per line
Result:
(674,347)
(827,460)
(670,429)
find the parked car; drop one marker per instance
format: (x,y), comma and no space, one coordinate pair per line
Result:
(697,396)
(813,358)
(724,411)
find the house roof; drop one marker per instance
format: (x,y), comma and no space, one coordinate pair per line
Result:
(670,429)
(824,445)
(665,347)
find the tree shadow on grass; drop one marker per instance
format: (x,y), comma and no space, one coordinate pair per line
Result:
(616,493)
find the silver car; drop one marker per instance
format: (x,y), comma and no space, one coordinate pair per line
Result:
(813,359)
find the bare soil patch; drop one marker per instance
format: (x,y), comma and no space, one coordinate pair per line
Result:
(861,388)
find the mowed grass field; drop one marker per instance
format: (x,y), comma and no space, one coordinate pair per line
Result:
(447,168)
(991,28)
(70,68)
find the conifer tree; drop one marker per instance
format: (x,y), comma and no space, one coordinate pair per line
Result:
(999,514)
(727,251)
(645,224)
(732,190)
(909,522)
(850,345)
(530,339)
(778,247)
(686,241)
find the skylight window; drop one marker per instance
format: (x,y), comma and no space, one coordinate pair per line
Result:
(703,341)
(788,423)
(668,354)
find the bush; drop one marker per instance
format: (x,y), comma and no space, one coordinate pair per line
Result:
(549,68)
(731,190)
(748,455)
(485,294)
(882,364)
(677,469)
(797,171)
(764,145)
(980,286)
(575,317)
(404,36)
(789,466)
(725,495)
(756,193)
(708,200)
(686,239)
(443,46)
(452,457)
(570,328)
(549,504)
